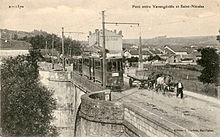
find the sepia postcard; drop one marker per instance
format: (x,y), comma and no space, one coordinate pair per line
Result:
(111,68)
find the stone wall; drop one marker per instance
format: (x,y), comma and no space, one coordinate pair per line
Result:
(146,124)
(98,117)
(58,75)
(94,116)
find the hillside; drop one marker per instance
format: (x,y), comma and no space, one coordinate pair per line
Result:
(200,41)
(13,34)
(14,45)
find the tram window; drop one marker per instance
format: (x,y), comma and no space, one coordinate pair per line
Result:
(114,66)
(122,66)
(97,64)
(86,62)
(119,65)
(109,66)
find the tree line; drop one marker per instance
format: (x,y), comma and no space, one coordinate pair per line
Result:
(72,47)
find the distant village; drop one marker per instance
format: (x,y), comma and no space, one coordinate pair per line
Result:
(152,52)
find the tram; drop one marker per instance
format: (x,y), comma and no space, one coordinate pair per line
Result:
(92,68)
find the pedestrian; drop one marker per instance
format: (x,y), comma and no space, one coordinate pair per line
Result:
(179,89)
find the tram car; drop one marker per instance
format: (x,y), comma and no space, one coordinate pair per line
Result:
(91,67)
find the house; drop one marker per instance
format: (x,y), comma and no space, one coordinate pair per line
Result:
(177,54)
(135,53)
(175,50)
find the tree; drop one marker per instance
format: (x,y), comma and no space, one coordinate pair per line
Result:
(27,106)
(210,64)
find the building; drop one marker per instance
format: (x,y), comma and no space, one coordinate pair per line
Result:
(175,50)
(178,54)
(113,40)
(135,53)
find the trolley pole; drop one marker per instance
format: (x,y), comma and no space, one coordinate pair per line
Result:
(104,55)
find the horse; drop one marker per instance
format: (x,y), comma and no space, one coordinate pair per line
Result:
(163,83)
(152,79)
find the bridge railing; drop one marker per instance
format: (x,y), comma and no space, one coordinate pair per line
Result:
(84,82)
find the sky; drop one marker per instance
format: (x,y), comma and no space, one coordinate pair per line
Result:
(85,16)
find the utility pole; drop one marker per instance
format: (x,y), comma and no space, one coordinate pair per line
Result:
(63,49)
(104,55)
(103,35)
(218,36)
(63,44)
(140,66)
(52,42)
(46,45)
(52,51)
(0,38)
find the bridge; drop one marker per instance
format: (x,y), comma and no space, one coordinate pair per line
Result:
(135,112)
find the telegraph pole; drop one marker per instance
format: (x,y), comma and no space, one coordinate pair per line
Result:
(52,42)
(218,36)
(46,44)
(103,35)
(140,52)
(140,55)
(104,55)
(63,48)
(63,44)
(52,51)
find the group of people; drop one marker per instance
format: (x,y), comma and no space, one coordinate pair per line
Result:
(165,82)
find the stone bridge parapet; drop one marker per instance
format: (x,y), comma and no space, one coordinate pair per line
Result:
(94,107)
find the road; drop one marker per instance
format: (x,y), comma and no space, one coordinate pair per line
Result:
(193,112)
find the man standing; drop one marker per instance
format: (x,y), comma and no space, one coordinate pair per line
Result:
(179,89)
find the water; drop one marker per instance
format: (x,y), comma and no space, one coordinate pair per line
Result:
(64,115)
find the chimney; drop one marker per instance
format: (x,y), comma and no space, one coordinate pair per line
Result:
(90,33)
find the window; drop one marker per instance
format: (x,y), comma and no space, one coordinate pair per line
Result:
(114,66)
(97,64)
(109,66)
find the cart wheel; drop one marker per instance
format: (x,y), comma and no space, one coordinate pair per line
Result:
(130,82)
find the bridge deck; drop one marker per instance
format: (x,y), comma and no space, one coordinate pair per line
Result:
(200,117)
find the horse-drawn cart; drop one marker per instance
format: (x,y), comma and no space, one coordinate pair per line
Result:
(157,81)
(140,78)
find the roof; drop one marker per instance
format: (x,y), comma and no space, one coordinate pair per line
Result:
(136,52)
(176,48)
(93,48)
(155,51)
